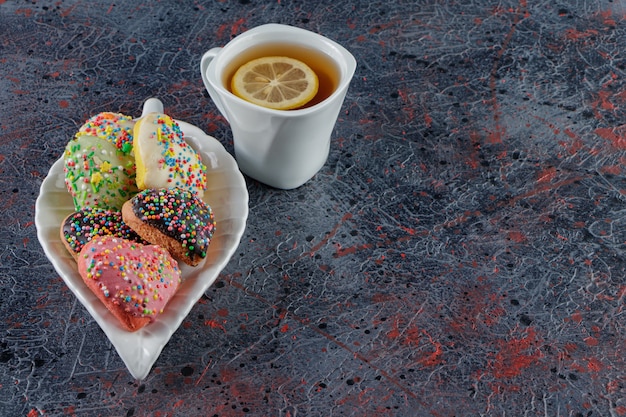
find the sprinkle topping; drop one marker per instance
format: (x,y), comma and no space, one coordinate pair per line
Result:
(97,174)
(116,128)
(82,226)
(178,214)
(164,158)
(139,279)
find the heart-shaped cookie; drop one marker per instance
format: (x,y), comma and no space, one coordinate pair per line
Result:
(134,281)
(173,218)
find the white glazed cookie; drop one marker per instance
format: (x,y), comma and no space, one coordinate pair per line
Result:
(163,158)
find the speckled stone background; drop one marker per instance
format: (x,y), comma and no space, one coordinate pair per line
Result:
(460,254)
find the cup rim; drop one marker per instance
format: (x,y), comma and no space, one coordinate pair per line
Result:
(347,66)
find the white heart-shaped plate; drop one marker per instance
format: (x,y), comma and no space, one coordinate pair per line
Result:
(227,195)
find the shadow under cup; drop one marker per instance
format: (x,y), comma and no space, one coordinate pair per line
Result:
(281,148)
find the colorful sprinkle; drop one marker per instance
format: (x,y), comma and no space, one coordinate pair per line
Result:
(146,268)
(115,128)
(178,214)
(164,158)
(97,174)
(82,226)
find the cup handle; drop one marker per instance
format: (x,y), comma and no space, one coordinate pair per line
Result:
(207,57)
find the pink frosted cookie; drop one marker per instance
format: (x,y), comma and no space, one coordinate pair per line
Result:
(134,281)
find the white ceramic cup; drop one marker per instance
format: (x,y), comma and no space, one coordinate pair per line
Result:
(281,148)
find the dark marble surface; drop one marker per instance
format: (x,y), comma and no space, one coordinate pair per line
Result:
(461,252)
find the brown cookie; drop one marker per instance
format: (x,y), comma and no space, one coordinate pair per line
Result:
(173,218)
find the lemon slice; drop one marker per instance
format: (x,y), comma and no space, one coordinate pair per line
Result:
(275,82)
